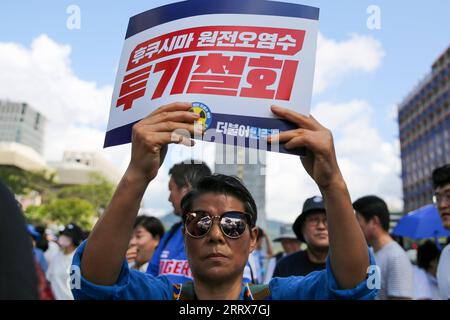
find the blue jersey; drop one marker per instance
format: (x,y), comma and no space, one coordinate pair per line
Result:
(169,258)
(134,285)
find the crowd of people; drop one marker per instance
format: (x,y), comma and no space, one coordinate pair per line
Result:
(326,252)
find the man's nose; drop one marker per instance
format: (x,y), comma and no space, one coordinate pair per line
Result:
(215,234)
(322,225)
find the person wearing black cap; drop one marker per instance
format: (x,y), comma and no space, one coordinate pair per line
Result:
(58,272)
(311,228)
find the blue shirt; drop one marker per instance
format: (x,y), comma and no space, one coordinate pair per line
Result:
(134,285)
(170,259)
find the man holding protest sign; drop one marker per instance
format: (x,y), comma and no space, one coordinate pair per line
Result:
(217,253)
(231,60)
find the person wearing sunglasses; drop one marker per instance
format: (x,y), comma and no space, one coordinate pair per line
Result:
(219,218)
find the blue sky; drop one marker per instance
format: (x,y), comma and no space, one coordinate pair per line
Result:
(412,35)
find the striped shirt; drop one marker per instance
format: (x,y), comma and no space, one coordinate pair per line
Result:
(396,272)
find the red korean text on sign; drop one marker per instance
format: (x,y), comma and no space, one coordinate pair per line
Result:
(228,73)
(262,40)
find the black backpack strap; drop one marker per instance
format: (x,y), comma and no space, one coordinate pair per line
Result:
(258,292)
(252,292)
(278,256)
(184,291)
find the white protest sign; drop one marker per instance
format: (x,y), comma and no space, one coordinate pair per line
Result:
(232,59)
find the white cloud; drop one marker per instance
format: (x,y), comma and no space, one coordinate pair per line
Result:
(370,165)
(42,76)
(335,60)
(287,187)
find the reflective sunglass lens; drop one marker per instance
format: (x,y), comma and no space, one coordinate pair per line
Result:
(233,224)
(198,224)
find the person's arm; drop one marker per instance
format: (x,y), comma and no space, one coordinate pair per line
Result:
(348,249)
(107,244)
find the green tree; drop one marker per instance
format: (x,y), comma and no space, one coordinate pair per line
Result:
(22,182)
(64,211)
(98,192)
(60,204)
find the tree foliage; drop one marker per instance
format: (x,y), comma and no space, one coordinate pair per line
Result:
(64,211)
(81,204)
(22,182)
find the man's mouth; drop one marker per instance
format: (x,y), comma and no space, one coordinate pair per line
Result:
(216,255)
(322,235)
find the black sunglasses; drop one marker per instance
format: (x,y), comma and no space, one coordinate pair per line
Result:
(232,223)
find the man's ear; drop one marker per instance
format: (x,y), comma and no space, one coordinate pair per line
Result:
(185,190)
(253,237)
(375,220)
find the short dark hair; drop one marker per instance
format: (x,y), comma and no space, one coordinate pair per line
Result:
(151,224)
(41,242)
(441,176)
(373,206)
(426,253)
(221,184)
(189,172)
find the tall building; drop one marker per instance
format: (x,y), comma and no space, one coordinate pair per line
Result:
(424,121)
(22,124)
(250,166)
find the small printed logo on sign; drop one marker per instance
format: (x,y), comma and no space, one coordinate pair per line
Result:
(205,114)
